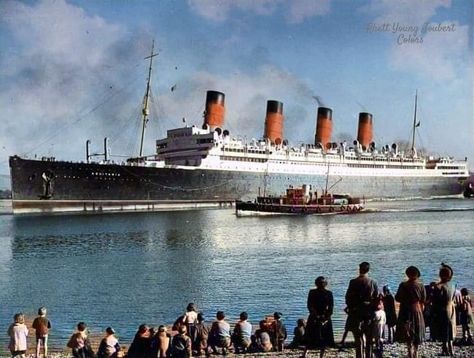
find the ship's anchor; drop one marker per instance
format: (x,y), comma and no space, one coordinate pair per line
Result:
(47,177)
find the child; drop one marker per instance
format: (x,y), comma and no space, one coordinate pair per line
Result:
(466,316)
(279,332)
(42,326)
(347,328)
(298,334)
(378,325)
(18,334)
(389,306)
(109,346)
(262,341)
(163,341)
(78,342)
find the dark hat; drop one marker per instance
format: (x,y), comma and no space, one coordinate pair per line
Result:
(412,271)
(446,271)
(110,330)
(277,315)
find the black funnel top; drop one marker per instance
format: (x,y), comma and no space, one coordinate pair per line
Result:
(274,107)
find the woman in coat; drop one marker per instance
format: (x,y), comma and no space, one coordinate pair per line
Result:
(319,332)
(411,324)
(444,311)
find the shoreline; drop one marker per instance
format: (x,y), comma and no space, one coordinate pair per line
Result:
(427,349)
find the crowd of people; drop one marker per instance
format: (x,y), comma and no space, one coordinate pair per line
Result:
(371,317)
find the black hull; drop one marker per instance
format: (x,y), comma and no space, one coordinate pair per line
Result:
(57,186)
(243,208)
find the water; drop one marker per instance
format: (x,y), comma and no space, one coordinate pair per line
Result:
(126,269)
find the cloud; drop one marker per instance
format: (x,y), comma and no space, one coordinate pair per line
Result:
(434,55)
(297,10)
(300,10)
(409,12)
(57,70)
(440,57)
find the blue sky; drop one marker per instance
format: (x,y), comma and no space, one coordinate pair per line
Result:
(74,70)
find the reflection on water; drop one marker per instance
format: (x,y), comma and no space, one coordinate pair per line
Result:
(126,269)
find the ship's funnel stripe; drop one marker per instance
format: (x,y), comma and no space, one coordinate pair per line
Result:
(274,122)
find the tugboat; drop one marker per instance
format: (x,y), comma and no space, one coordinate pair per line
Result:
(300,201)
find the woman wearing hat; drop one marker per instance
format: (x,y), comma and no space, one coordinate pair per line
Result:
(412,297)
(444,311)
(319,332)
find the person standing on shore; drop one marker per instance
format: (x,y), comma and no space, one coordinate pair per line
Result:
(320,303)
(189,319)
(18,333)
(411,324)
(42,326)
(378,325)
(444,311)
(279,332)
(389,306)
(360,297)
(466,316)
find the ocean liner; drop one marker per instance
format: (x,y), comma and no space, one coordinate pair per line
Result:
(206,166)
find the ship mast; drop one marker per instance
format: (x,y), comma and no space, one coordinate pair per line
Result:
(414,125)
(145,110)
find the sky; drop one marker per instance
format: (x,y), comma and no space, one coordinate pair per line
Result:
(72,70)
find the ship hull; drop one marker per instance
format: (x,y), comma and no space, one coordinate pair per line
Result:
(41,186)
(252,208)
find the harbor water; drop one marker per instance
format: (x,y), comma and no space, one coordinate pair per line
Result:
(131,268)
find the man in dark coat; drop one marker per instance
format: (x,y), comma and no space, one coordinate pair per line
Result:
(360,297)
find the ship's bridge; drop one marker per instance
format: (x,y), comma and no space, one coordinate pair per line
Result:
(186,146)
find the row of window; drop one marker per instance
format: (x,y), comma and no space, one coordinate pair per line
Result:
(106,174)
(447,167)
(259,160)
